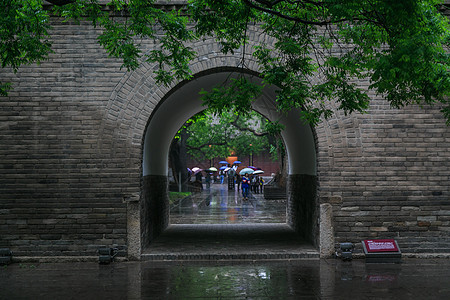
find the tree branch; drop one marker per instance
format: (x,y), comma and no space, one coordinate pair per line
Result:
(295,19)
(241,128)
(60,2)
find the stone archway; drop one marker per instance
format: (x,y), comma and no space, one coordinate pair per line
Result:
(180,104)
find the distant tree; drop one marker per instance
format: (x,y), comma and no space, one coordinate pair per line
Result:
(323,49)
(208,135)
(218,135)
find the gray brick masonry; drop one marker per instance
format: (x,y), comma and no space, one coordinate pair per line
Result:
(71,148)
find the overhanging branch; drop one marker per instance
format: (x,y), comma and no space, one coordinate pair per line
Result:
(60,2)
(241,128)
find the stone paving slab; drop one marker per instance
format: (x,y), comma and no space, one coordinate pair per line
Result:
(229,242)
(296,279)
(218,205)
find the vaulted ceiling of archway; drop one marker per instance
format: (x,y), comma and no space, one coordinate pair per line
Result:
(184,102)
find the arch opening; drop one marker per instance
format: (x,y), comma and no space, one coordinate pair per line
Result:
(217,140)
(183,102)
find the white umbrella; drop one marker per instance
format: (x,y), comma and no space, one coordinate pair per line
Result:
(212,169)
(195,170)
(258,172)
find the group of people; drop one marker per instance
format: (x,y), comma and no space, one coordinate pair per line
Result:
(254,184)
(248,182)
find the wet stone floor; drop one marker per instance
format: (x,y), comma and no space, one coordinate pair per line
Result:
(218,205)
(268,262)
(217,224)
(297,279)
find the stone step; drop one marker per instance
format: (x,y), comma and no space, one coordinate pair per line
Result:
(237,256)
(229,242)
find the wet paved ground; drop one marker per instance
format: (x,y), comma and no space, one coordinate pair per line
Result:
(218,205)
(218,225)
(229,242)
(236,259)
(298,279)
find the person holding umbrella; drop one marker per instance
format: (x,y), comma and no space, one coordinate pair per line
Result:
(245,186)
(245,183)
(222,174)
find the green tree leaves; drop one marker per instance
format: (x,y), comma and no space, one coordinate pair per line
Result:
(23,35)
(314,52)
(218,135)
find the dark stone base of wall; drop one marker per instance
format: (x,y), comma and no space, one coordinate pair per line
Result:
(154,207)
(302,205)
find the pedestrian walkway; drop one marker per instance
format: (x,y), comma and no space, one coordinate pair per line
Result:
(229,242)
(300,279)
(218,205)
(218,225)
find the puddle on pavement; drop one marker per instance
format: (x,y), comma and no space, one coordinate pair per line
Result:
(218,205)
(297,279)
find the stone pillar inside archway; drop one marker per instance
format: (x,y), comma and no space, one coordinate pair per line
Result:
(302,205)
(182,103)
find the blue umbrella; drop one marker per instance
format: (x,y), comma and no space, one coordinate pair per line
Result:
(223,162)
(237,162)
(223,167)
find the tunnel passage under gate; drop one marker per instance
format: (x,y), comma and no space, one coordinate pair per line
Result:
(181,103)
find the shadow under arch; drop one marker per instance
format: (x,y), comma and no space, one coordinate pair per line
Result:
(182,102)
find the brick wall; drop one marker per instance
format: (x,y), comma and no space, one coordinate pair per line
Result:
(387,176)
(71,152)
(62,182)
(262,160)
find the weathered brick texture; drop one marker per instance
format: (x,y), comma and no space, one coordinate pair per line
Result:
(71,152)
(390,170)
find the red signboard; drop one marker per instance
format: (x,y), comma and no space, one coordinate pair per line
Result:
(381,246)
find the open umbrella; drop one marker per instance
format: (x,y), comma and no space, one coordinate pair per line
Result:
(246,171)
(212,169)
(237,162)
(196,170)
(223,162)
(226,169)
(223,168)
(258,172)
(253,168)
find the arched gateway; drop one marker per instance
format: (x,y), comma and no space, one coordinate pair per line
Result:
(182,102)
(84,157)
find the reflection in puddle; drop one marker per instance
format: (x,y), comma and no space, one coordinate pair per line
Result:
(236,281)
(296,279)
(218,205)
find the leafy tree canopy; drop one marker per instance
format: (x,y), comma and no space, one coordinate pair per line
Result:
(210,135)
(323,49)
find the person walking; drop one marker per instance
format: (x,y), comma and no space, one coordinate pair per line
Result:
(261,184)
(222,176)
(199,180)
(245,183)
(254,184)
(208,181)
(238,181)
